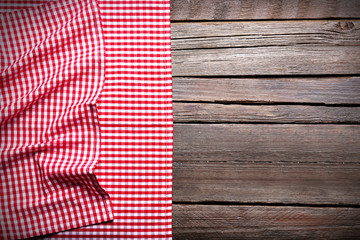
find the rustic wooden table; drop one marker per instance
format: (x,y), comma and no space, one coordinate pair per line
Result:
(267,114)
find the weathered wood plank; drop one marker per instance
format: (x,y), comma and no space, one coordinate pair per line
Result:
(264,222)
(269,33)
(267,143)
(270,60)
(296,183)
(204,112)
(267,163)
(273,48)
(342,90)
(263,9)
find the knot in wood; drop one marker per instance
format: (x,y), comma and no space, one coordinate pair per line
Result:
(345,25)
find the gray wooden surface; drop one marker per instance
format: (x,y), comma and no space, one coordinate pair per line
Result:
(270,48)
(266,119)
(265,222)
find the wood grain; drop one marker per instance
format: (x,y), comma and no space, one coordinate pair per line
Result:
(291,183)
(262,34)
(264,222)
(324,90)
(254,48)
(218,113)
(267,143)
(267,163)
(290,68)
(271,60)
(262,9)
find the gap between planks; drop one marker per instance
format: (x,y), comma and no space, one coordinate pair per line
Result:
(224,203)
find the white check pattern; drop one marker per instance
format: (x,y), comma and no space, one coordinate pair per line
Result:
(135,116)
(52,72)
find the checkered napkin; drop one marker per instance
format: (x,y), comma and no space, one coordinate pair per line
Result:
(86,119)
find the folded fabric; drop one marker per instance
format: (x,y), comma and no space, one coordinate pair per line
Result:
(52,72)
(55,56)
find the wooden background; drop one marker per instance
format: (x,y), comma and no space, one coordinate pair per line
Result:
(266,119)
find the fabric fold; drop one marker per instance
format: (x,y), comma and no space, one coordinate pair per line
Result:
(52,71)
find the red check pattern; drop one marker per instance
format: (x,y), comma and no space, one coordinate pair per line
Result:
(135,116)
(52,72)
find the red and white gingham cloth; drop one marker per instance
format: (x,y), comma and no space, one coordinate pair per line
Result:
(50,147)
